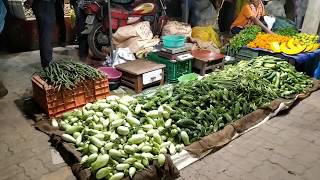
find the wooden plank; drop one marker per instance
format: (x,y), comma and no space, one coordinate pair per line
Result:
(138,67)
(312,18)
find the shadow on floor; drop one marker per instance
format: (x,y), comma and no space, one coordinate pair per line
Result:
(30,109)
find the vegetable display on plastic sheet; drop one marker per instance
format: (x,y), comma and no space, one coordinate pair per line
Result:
(120,136)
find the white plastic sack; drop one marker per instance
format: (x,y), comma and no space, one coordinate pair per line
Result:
(141,30)
(177,28)
(136,44)
(270,21)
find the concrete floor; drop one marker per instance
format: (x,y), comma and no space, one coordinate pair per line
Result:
(285,148)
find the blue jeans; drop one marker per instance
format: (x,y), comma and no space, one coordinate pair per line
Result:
(3,12)
(82,38)
(46,18)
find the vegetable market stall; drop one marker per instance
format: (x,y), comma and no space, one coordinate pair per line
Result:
(299,49)
(138,132)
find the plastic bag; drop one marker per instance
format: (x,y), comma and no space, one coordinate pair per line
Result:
(269,20)
(206,34)
(73,18)
(281,23)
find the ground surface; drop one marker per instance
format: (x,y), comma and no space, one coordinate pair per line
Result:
(285,148)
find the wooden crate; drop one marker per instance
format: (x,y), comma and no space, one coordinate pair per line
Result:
(55,102)
(140,74)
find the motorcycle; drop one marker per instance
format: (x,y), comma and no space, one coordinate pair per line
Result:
(103,18)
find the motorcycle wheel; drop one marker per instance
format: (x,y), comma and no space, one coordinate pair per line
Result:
(97,40)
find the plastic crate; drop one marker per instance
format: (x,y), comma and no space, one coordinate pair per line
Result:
(55,102)
(173,69)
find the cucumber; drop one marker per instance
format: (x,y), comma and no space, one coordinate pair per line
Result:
(123,108)
(185,137)
(146,148)
(91,159)
(138,108)
(186,123)
(153,113)
(103,172)
(161,159)
(108,146)
(101,161)
(130,160)
(93,149)
(115,153)
(132,171)
(96,142)
(138,165)
(129,149)
(117,123)
(123,130)
(117,176)
(137,138)
(133,121)
(68,138)
(122,167)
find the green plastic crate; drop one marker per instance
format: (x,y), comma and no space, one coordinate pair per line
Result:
(174,69)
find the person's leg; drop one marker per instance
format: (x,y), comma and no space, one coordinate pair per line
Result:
(59,6)
(184,13)
(46,17)
(226,16)
(82,38)
(3,90)
(202,13)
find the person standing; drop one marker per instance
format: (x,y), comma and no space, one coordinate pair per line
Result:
(45,13)
(80,26)
(226,15)
(60,22)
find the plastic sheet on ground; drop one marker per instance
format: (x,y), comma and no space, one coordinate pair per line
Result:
(216,141)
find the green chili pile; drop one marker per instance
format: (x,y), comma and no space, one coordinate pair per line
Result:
(243,38)
(287,31)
